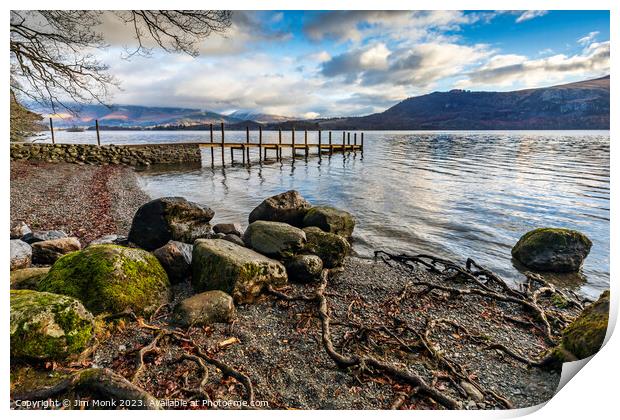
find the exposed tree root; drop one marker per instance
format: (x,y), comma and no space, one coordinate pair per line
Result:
(103,381)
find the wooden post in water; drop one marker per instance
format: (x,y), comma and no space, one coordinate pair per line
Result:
(362,140)
(344,136)
(349,139)
(52,130)
(354,142)
(211,132)
(293,141)
(331,147)
(222,126)
(279,150)
(97,129)
(306,141)
(247,141)
(319,144)
(260,143)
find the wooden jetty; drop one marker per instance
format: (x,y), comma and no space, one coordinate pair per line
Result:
(307,148)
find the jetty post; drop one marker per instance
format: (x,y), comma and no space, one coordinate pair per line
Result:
(319,144)
(247,142)
(222,126)
(349,139)
(331,147)
(354,142)
(211,132)
(97,130)
(293,141)
(52,130)
(260,143)
(344,147)
(362,141)
(279,149)
(306,141)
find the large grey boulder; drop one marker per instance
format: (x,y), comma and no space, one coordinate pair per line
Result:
(21,254)
(19,229)
(176,258)
(551,249)
(304,268)
(43,235)
(241,272)
(46,326)
(274,239)
(331,248)
(205,308)
(47,252)
(288,207)
(170,218)
(330,219)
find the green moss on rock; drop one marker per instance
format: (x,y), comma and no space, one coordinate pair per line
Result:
(552,249)
(330,219)
(331,248)
(585,335)
(110,278)
(48,326)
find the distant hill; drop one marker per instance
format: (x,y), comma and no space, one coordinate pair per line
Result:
(580,105)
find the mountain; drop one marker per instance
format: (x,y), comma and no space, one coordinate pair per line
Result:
(138,116)
(580,105)
(259,117)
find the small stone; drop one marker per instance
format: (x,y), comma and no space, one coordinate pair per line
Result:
(205,308)
(47,252)
(28,278)
(228,228)
(110,239)
(176,258)
(234,239)
(21,254)
(19,229)
(43,235)
(304,268)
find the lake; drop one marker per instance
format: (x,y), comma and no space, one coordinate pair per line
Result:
(453,194)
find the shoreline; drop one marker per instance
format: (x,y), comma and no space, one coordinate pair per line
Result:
(375,308)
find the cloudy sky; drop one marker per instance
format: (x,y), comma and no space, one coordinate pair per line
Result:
(340,63)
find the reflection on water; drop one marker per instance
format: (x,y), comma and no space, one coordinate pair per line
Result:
(455,194)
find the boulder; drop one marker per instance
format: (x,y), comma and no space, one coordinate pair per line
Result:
(242,273)
(234,239)
(304,268)
(550,249)
(274,239)
(19,229)
(169,218)
(43,235)
(331,248)
(110,239)
(228,228)
(176,258)
(289,207)
(46,326)
(330,219)
(28,278)
(585,335)
(205,308)
(21,254)
(110,279)
(47,252)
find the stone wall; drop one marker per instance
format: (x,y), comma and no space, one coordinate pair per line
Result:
(135,155)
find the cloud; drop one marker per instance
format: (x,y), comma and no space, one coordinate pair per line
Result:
(356,25)
(509,70)
(418,66)
(588,39)
(530,14)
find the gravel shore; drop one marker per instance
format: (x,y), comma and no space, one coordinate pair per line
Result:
(83,200)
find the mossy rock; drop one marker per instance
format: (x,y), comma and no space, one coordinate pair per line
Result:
(288,207)
(331,248)
(110,278)
(205,308)
(330,219)
(274,239)
(218,264)
(28,278)
(585,335)
(305,268)
(47,326)
(552,249)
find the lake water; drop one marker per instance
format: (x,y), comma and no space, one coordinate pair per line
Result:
(453,194)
